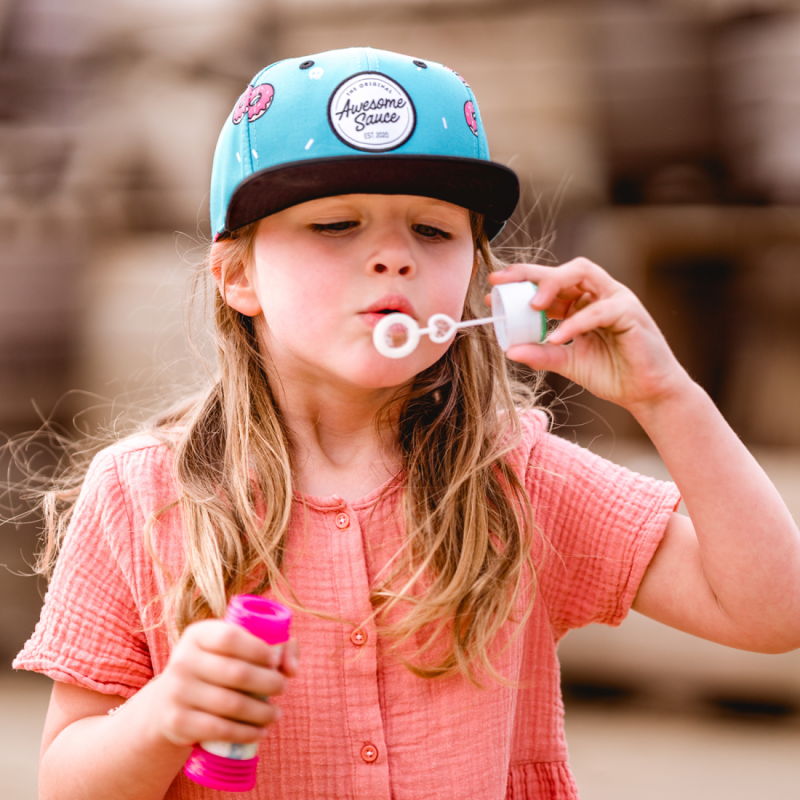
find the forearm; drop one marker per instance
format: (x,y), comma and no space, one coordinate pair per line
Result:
(110,756)
(749,544)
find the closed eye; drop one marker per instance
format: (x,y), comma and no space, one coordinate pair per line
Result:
(429,232)
(334,227)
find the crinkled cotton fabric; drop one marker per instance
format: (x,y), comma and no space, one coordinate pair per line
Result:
(356,723)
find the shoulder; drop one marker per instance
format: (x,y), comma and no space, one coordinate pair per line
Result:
(534,424)
(551,460)
(534,443)
(139,461)
(546,451)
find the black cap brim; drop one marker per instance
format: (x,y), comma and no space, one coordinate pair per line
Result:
(483,186)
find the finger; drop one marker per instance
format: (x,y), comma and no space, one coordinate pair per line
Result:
(559,287)
(185,726)
(291,658)
(216,636)
(607,314)
(232,705)
(537,272)
(517,272)
(542,357)
(233,673)
(571,282)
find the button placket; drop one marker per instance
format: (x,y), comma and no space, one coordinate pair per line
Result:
(361,696)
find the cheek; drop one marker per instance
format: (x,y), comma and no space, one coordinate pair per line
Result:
(300,306)
(292,283)
(453,285)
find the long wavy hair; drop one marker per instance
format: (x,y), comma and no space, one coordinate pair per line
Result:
(466,563)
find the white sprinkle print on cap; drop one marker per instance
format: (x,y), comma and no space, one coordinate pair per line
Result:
(355,121)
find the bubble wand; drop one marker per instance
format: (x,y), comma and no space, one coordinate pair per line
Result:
(515,322)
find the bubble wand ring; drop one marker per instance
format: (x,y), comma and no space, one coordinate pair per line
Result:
(515,322)
(441,329)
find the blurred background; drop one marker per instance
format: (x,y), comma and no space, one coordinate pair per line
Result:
(661,139)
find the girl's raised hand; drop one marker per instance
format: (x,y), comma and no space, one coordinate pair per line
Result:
(606,341)
(212,686)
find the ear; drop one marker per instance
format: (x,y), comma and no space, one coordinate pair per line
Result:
(234,283)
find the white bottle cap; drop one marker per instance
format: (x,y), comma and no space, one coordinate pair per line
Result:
(520,323)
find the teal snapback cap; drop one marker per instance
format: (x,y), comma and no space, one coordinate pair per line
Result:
(355,121)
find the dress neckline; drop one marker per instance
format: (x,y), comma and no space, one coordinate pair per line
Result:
(327,502)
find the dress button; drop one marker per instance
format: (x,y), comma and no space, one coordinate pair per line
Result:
(369,753)
(358,637)
(342,520)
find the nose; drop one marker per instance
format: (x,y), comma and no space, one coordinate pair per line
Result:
(391,255)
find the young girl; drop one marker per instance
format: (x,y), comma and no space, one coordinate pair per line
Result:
(433,539)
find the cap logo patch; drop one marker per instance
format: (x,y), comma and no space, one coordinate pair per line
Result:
(254,102)
(370,111)
(469,115)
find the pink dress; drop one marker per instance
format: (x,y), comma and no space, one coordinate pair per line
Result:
(356,723)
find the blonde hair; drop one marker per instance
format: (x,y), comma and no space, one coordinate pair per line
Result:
(466,560)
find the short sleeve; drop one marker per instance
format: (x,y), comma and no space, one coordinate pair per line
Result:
(90,632)
(600,525)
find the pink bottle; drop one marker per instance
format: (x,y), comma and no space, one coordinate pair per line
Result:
(227,765)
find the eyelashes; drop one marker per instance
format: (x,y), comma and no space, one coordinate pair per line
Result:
(334,227)
(426,231)
(429,232)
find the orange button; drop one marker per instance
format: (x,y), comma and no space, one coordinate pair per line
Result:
(342,520)
(358,637)
(369,753)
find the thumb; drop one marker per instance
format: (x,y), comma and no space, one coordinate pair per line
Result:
(544,357)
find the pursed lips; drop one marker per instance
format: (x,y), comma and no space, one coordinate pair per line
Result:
(388,304)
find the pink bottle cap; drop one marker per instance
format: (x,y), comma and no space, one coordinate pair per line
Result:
(264,618)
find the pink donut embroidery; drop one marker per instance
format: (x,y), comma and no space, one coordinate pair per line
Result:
(254,102)
(469,114)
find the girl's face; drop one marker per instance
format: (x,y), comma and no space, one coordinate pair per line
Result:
(325,272)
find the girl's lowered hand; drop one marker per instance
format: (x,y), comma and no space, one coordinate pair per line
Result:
(606,341)
(214,682)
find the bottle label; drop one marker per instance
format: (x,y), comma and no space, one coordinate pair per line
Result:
(234,750)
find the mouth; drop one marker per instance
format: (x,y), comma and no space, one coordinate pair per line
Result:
(389,304)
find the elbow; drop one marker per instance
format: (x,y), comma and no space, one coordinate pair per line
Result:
(779,647)
(773,642)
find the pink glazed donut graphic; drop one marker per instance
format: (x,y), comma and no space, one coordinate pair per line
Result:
(469,113)
(255,101)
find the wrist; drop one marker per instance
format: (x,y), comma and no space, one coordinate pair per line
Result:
(679,395)
(139,715)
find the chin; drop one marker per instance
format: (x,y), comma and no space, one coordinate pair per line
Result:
(385,373)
